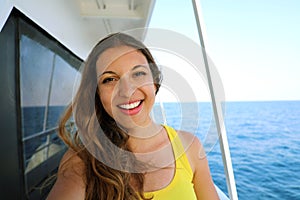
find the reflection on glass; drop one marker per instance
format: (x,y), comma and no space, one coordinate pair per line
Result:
(61,91)
(35,67)
(35,70)
(46,82)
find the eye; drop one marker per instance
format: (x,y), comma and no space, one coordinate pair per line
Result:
(109,80)
(139,74)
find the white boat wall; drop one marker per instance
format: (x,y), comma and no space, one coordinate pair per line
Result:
(78,24)
(37,37)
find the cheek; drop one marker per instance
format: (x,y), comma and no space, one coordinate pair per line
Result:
(106,100)
(151,93)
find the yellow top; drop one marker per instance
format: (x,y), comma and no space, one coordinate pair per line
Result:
(181,186)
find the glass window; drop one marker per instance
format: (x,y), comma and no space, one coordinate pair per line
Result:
(61,90)
(35,74)
(47,75)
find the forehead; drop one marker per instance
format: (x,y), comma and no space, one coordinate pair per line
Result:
(121,56)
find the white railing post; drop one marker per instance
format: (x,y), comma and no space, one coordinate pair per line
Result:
(218,114)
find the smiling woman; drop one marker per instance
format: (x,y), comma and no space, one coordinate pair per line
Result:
(118,151)
(129,90)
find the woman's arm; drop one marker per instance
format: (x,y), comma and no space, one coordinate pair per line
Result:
(70,182)
(202,180)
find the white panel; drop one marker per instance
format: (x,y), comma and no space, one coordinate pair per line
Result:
(63,20)
(110,9)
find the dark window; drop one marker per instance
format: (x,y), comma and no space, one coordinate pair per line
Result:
(40,76)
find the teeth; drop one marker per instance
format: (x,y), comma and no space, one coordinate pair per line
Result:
(130,106)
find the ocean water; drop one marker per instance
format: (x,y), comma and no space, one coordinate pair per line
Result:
(33,122)
(264,141)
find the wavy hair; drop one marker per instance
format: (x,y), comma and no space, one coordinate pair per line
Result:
(109,177)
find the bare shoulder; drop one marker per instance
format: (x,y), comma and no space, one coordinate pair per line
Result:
(70,183)
(193,147)
(71,162)
(191,142)
(203,183)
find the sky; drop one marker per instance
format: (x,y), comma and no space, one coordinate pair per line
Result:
(254,44)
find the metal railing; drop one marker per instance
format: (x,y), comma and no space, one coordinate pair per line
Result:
(217,108)
(43,161)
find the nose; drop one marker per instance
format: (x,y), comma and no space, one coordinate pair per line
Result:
(125,87)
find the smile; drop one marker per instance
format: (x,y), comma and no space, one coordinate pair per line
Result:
(130,106)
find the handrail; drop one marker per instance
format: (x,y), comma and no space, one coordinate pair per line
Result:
(39,134)
(217,113)
(40,148)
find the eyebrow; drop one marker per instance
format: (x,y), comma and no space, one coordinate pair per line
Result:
(138,66)
(106,72)
(114,73)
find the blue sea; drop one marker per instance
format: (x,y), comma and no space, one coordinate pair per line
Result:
(264,141)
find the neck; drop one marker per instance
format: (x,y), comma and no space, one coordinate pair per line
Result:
(155,150)
(143,137)
(144,132)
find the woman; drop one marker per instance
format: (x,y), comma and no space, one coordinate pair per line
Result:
(119,152)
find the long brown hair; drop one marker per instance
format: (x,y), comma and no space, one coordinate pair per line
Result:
(108,177)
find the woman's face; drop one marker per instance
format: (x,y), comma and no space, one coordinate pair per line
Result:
(126,86)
